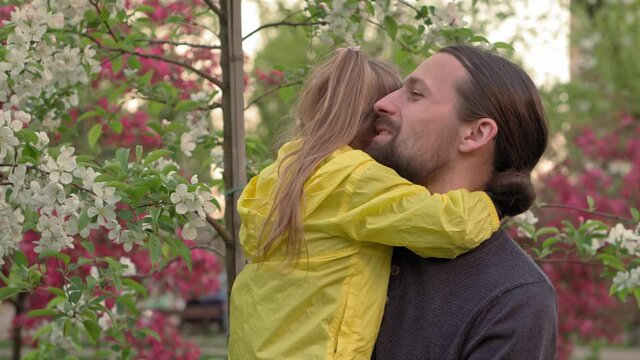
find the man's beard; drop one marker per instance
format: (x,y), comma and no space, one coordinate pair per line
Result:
(420,166)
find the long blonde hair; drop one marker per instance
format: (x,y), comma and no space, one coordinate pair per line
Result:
(335,106)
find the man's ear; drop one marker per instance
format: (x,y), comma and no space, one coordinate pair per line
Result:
(477,134)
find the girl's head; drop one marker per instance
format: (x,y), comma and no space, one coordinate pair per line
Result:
(336,101)
(335,109)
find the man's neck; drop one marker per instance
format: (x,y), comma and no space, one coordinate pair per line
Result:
(472,178)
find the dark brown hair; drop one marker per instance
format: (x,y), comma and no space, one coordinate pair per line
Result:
(500,90)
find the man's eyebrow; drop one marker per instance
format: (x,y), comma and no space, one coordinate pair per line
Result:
(413,81)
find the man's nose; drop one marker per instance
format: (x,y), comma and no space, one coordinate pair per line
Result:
(386,105)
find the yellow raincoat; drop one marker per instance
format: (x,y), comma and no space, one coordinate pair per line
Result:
(329,306)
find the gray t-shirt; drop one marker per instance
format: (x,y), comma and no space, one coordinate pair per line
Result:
(490,303)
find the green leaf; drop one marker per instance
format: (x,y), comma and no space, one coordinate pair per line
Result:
(94,134)
(183,250)
(133,62)
(89,114)
(56,301)
(30,154)
(50,253)
(146,78)
(122,155)
(87,245)
(551,241)
(155,214)
(611,261)
(57,291)
(116,65)
(546,231)
(92,329)
(125,215)
(27,135)
(116,126)
(174,19)
(135,286)
(186,105)
(8,292)
(635,214)
(42,312)
(138,153)
(151,333)
(20,258)
(127,302)
(502,45)
(155,155)
(590,202)
(390,25)
(113,264)
(145,8)
(83,221)
(155,248)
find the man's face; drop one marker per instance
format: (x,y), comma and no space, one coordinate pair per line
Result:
(416,132)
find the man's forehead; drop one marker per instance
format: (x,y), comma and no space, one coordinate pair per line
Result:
(438,69)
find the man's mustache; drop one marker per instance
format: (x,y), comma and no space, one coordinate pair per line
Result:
(385,121)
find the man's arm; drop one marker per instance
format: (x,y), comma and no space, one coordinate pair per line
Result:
(520,324)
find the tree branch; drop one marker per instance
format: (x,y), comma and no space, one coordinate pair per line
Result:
(271,91)
(211,106)
(220,229)
(209,78)
(567,261)
(178,43)
(587,211)
(409,5)
(284,23)
(113,35)
(215,9)
(191,248)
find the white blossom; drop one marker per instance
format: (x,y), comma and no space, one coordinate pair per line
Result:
(105,322)
(60,170)
(200,96)
(625,238)
(527,220)
(88,175)
(94,272)
(627,279)
(69,206)
(450,16)
(10,230)
(43,140)
(105,194)
(114,230)
(18,176)
(205,206)
(187,143)
(184,200)
(190,231)
(105,212)
(52,234)
(131,267)
(129,238)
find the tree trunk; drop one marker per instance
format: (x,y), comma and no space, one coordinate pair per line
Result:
(16,345)
(231,62)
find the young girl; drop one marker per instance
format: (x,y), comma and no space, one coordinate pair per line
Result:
(319,226)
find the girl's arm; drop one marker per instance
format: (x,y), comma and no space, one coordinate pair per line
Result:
(382,207)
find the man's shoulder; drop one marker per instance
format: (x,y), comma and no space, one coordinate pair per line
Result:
(455,303)
(496,266)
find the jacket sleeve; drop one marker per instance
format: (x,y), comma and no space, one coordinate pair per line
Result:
(383,207)
(521,324)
